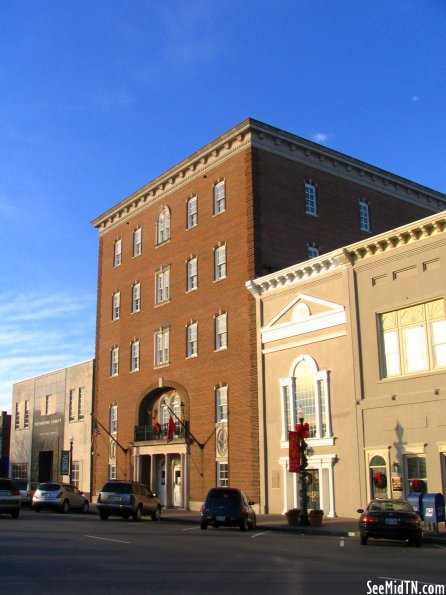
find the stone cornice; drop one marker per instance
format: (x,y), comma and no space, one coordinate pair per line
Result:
(252,133)
(434,225)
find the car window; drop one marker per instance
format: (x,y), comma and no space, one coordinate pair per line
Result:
(69,488)
(49,487)
(226,495)
(117,488)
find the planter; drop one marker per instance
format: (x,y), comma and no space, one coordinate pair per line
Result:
(293,516)
(315,517)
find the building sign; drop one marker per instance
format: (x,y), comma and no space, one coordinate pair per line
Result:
(397,484)
(65,462)
(294,452)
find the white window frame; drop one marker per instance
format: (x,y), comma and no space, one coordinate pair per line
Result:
(116,305)
(219,197)
(81,403)
(17,417)
(134,356)
(112,471)
(192,212)
(136,298)
(161,347)
(71,416)
(162,286)
(192,339)
(221,403)
(310,199)
(221,331)
(137,242)
(220,263)
(222,473)
(192,274)
(364,216)
(113,419)
(114,361)
(117,253)
(26,416)
(163,226)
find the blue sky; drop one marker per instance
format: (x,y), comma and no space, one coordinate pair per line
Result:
(98,97)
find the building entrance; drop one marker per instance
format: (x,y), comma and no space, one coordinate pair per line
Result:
(45,466)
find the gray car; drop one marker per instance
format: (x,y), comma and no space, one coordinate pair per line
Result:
(9,498)
(27,489)
(128,499)
(59,496)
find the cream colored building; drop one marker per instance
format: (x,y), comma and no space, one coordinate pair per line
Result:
(51,413)
(356,338)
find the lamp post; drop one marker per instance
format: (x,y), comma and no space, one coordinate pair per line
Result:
(71,459)
(303,517)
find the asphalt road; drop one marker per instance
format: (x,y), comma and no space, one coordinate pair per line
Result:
(64,554)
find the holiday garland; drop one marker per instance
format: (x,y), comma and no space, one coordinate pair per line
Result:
(380,480)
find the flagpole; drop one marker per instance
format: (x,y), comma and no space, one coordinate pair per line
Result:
(186,427)
(125,450)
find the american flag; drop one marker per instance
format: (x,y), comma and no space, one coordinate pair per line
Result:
(96,430)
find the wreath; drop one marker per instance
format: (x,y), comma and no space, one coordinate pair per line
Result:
(418,485)
(380,480)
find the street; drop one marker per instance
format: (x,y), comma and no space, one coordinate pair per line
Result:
(53,553)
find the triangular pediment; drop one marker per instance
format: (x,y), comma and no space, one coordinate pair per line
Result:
(303,314)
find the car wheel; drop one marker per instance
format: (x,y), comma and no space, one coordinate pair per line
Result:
(138,514)
(15,514)
(156,516)
(244,524)
(85,507)
(363,540)
(65,506)
(103,515)
(203,525)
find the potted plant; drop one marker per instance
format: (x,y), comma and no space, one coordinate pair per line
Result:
(315,517)
(293,516)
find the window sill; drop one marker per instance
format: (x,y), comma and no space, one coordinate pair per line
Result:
(220,279)
(162,243)
(193,356)
(161,365)
(191,290)
(220,349)
(312,442)
(162,303)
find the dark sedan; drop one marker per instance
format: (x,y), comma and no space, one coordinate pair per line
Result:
(390,519)
(228,507)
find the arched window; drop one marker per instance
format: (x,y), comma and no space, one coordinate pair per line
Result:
(175,405)
(306,390)
(163,226)
(164,412)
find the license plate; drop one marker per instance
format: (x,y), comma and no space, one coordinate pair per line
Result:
(114,498)
(46,495)
(220,518)
(391,521)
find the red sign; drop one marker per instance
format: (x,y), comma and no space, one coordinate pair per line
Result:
(294,452)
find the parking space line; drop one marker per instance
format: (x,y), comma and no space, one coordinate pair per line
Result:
(258,534)
(107,539)
(190,529)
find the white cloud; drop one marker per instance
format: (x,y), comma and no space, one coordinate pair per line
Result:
(39,334)
(415,98)
(321,137)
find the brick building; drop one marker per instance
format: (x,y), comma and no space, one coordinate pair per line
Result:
(176,328)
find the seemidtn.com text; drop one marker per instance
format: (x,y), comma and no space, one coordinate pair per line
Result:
(404,587)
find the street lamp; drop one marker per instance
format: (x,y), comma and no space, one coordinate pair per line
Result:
(71,459)
(303,517)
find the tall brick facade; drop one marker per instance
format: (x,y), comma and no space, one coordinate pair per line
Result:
(263,226)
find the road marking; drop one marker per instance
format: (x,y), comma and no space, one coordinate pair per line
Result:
(190,529)
(106,539)
(258,534)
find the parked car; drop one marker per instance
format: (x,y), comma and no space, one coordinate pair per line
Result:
(128,499)
(27,489)
(390,519)
(9,498)
(228,507)
(59,496)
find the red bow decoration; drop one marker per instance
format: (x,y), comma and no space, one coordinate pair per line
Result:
(303,429)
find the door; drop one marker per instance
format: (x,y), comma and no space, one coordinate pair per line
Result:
(313,489)
(161,476)
(177,499)
(45,466)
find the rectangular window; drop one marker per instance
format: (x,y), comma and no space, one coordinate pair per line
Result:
(112,471)
(19,471)
(192,212)
(81,404)
(117,253)
(134,358)
(192,339)
(71,405)
(219,198)
(162,286)
(413,339)
(221,396)
(313,250)
(416,472)
(364,216)
(137,241)
(310,199)
(113,419)
(75,473)
(222,475)
(17,417)
(220,263)
(162,347)
(136,298)
(47,405)
(221,338)
(192,274)
(26,417)
(114,371)
(116,305)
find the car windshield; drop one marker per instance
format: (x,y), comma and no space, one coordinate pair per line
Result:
(49,487)
(385,506)
(117,488)
(227,495)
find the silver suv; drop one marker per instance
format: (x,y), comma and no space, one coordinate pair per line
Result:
(128,499)
(59,496)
